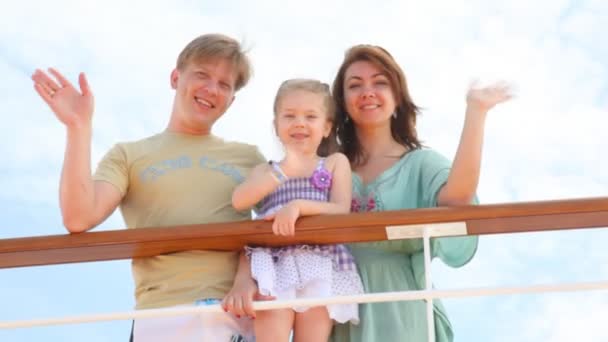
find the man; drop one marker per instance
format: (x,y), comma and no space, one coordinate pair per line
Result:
(184,175)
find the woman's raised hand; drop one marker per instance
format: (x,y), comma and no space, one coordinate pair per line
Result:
(485,98)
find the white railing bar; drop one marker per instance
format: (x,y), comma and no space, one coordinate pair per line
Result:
(270,305)
(430,316)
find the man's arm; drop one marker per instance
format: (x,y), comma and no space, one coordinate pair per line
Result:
(84,203)
(239,301)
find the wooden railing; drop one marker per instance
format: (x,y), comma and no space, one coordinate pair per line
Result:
(357,227)
(469,220)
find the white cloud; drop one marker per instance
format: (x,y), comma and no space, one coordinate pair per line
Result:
(564,317)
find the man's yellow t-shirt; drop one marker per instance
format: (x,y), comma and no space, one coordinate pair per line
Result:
(172,179)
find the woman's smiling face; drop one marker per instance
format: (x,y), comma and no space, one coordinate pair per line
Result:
(368,95)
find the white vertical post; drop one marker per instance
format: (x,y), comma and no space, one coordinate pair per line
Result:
(430,315)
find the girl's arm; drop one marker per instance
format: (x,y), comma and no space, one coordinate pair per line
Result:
(340,197)
(258,185)
(463,179)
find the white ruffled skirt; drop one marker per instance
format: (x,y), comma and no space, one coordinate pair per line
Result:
(306,271)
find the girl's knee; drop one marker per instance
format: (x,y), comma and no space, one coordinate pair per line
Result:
(273,325)
(313,324)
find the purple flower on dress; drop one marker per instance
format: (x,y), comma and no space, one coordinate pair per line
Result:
(321,179)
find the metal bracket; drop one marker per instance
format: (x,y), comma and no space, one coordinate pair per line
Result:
(414,231)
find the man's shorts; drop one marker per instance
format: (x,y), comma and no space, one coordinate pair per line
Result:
(208,326)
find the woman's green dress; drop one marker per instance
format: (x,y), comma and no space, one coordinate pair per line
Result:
(398,265)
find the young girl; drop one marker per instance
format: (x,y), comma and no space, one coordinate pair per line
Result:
(304,183)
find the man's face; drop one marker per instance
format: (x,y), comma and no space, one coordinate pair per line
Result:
(204,91)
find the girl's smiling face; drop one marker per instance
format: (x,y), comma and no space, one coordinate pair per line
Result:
(301,120)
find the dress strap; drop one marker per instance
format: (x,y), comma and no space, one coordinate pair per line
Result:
(321,163)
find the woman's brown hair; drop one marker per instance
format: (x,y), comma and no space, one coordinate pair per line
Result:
(403,126)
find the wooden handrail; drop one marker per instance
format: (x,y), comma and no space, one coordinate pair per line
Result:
(357,227)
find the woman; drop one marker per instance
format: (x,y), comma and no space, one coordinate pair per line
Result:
(376,129)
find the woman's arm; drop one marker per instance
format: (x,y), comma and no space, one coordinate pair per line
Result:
(462,182)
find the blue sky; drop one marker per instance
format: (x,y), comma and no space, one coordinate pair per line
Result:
(548,143)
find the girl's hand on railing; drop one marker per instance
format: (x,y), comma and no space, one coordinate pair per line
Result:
(285,219)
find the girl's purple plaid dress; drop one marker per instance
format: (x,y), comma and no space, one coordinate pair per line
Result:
(306,271)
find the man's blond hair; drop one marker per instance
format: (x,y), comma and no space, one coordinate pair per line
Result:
(217,46)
